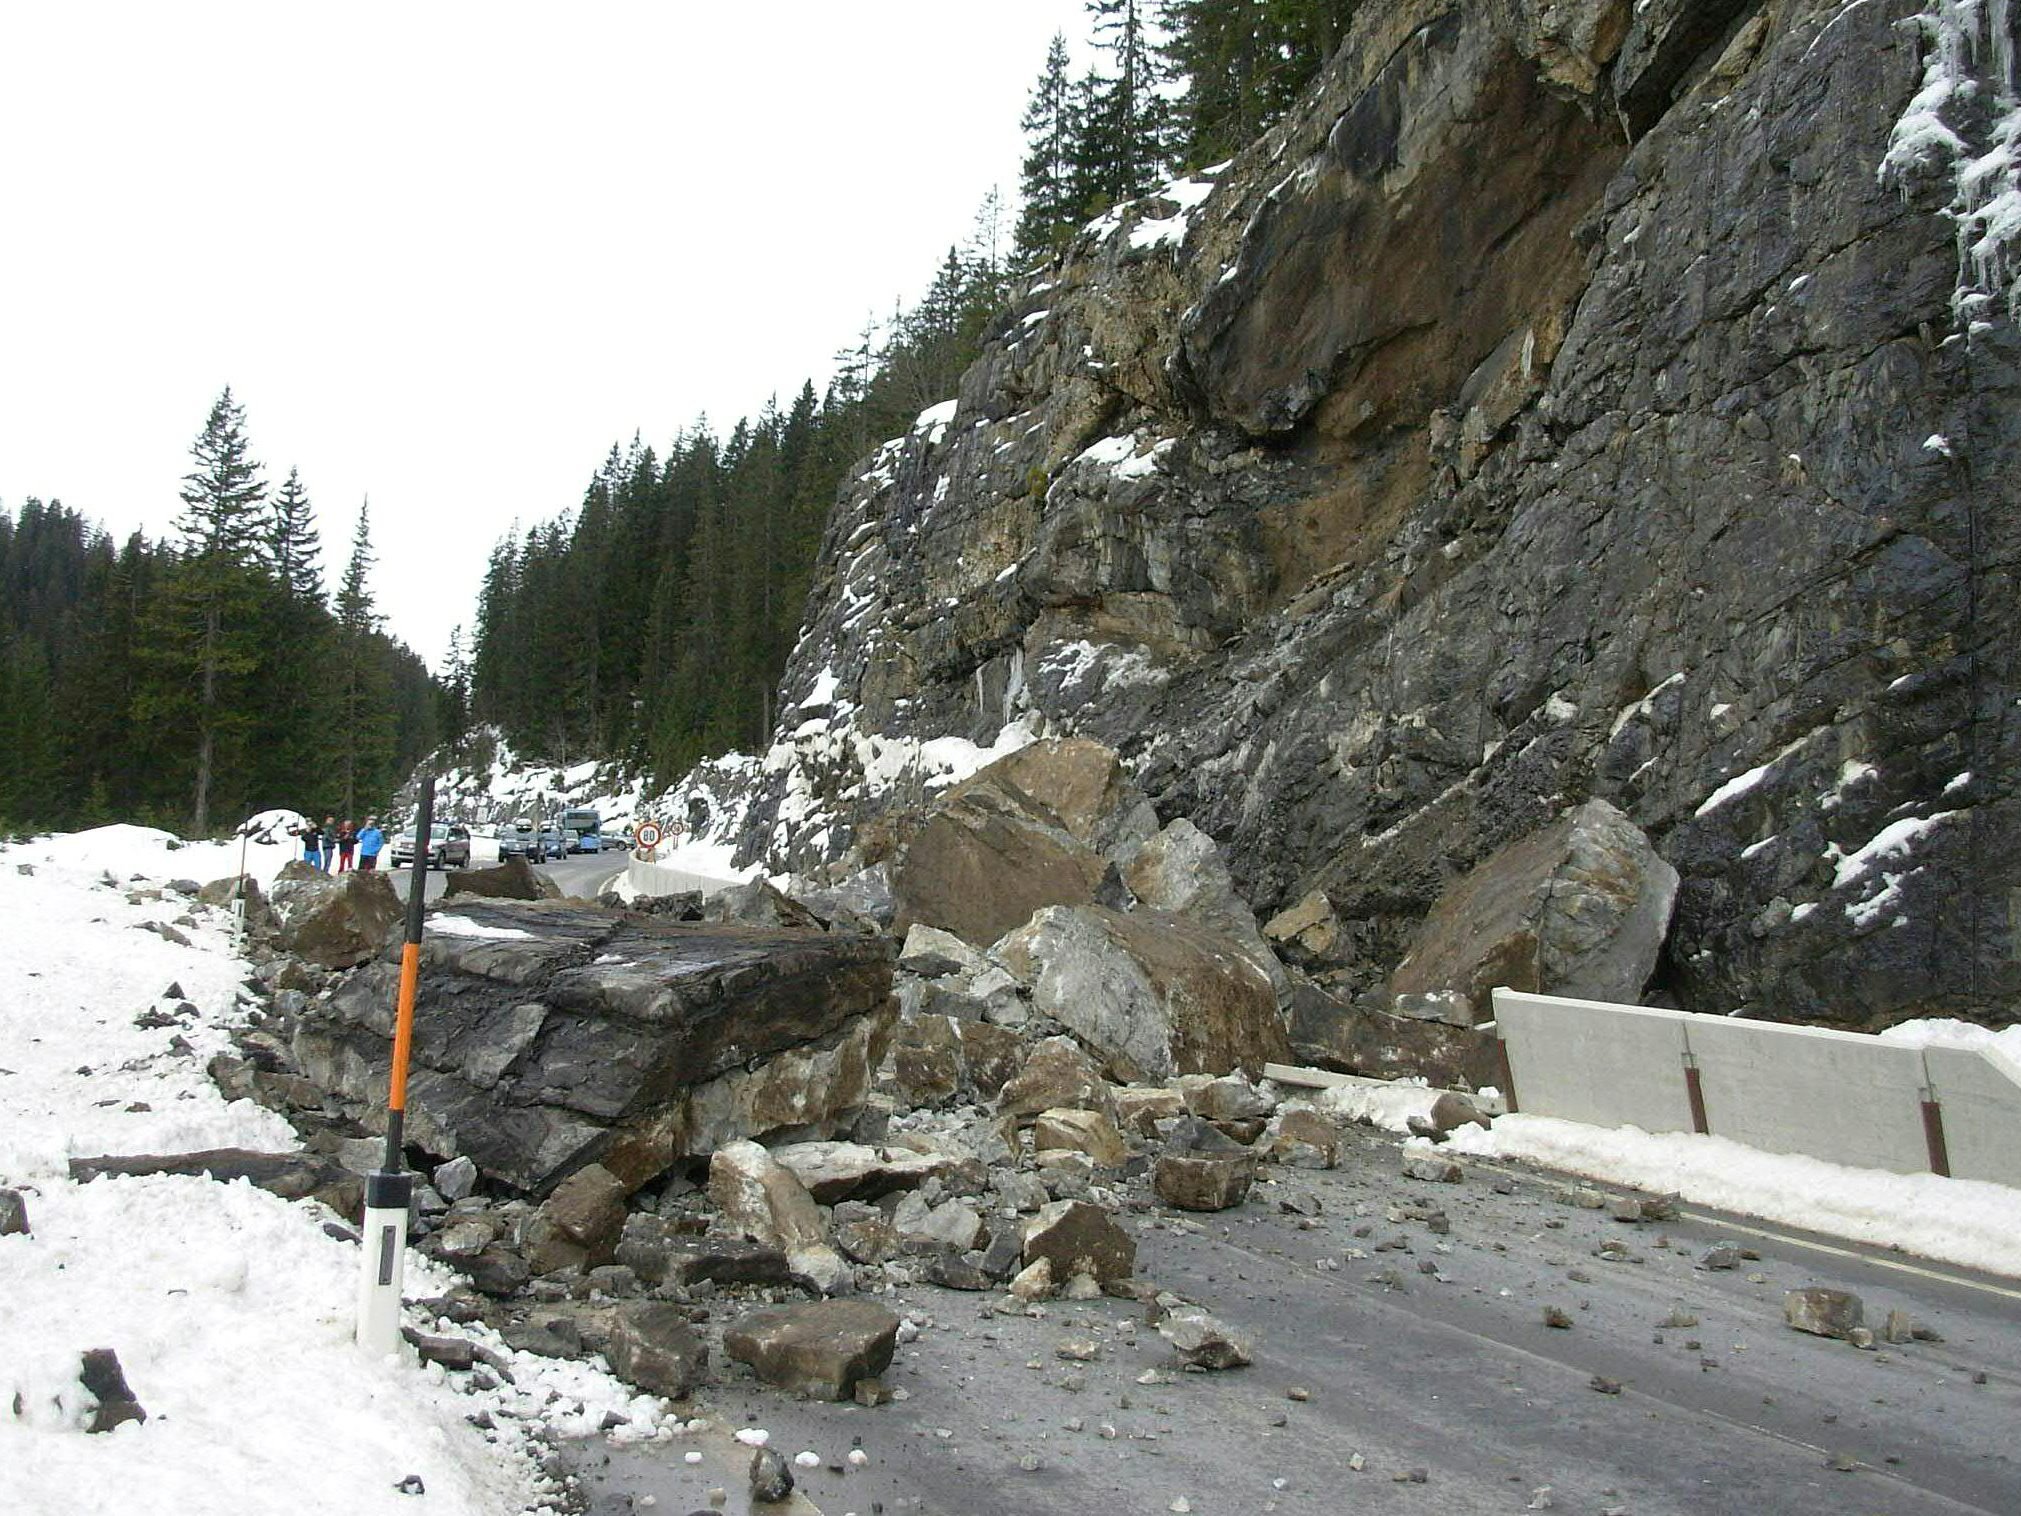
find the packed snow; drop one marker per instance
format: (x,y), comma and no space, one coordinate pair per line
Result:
(232,1311)
(1961,1221)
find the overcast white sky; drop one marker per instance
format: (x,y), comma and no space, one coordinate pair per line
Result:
(446,254)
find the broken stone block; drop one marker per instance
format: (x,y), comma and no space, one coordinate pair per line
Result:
(761,1197)
(1202,1341)
(511,879)
(653,1347)
(821,1349)
(1308,930)
(1202,1169)
(1577,908)
(771,1479)
(837,1171)
(335,921)
(1156,994)
(105,1381)
(1088,1132)
(1232,1097)
(1034,1281)
(1430,1168)
(1140,1107)
(1823,1312)
(456,1178)
(1181,870)
(589,1208)
(1078,1238)
(1056,1075)
(1299,1137)
(292,1176)
(932,954)
(13,1214)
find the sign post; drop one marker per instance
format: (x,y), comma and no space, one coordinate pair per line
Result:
(389,1192)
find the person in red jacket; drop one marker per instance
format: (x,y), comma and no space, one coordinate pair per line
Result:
(347,844)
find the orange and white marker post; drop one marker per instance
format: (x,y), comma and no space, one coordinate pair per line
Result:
(389,1193)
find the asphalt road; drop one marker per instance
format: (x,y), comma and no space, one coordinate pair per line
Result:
(584,874)
(1452,1374)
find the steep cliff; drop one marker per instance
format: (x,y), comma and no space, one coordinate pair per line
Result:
(1570,400)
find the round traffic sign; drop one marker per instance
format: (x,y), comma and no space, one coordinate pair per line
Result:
(648,835)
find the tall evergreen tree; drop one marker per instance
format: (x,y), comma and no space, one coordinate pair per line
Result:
(1046,187)
(208,643)
(1125,137)
(364,716)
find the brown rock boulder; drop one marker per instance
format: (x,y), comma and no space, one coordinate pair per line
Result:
(653,1347)
(987,858)
(1075,1237)
(820,1349)
(1579,908)
(513,879)
(336,922)
(1057,1074)
(1155,994)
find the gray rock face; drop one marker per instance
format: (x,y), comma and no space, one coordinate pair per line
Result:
(1674,480)
(1156,994)
(1580,908)
(569,1035)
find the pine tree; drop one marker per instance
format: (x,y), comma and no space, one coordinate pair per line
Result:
(364,715)
(1245,62)
(208,643)
(1126,134)
(286,736)
(1051,125)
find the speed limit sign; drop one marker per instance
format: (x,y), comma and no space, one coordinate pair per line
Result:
(648,834)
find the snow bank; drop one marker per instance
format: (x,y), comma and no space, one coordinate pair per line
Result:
(231,1310)
(1957,1221)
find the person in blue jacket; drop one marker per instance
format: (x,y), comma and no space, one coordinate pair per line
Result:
(370,841)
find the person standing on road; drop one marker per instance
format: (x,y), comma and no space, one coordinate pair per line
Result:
(370,841)
(347,844)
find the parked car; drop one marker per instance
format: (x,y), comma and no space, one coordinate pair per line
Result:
(448,846)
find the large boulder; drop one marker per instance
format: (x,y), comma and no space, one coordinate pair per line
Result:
(334,921)
(821,1349)
(511,879)
(1181,870)
(1057,1074)
(1080,786)
(1155,994)
(936,1059)
(1579,908)
(767,1201)
(552,1034)
(985,859)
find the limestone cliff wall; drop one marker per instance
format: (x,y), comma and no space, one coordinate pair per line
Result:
(1570,400)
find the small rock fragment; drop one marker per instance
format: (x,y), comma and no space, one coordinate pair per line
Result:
(771,1479)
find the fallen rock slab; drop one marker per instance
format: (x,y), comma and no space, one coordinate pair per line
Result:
(820,1349)
(1075,1237)
(1823,1313)
(1080,1131)
(837,1171)
(13,1214)
(653,1347)
(292,1176)
(1154,993)
(103,1377)
(1057,1075)
(1203,1342)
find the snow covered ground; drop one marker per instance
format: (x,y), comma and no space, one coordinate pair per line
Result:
(231,1310)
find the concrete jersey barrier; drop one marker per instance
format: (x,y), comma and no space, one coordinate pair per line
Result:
(1840,1096)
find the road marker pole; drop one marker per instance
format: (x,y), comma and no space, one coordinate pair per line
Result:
(389,1192)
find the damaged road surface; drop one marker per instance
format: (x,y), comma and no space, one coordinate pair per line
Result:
(1402,1362)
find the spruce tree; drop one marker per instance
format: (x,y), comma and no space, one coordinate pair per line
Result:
(208,643)
(1046,187)
(363,711)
